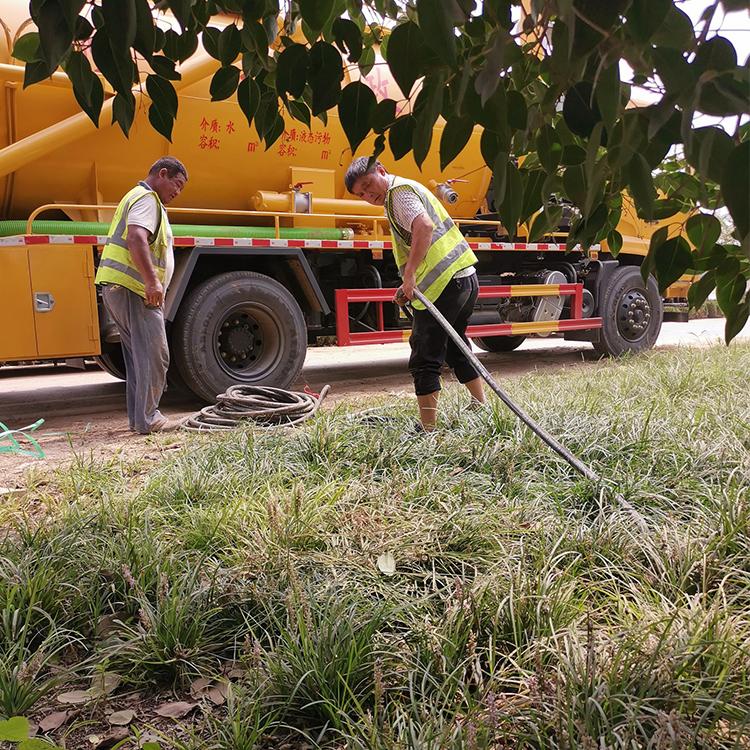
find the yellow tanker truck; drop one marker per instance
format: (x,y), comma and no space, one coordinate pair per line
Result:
(271,254)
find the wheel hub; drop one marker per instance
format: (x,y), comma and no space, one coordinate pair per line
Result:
(239,340)
(634,315)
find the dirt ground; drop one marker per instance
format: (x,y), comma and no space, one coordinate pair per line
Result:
(84,411)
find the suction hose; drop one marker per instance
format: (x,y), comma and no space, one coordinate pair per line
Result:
(556,446)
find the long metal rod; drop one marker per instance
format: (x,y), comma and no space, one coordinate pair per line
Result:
(504,397)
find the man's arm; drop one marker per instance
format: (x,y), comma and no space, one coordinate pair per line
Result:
(141,255)
(421,239)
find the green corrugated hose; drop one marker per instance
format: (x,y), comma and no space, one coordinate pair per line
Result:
(15,227)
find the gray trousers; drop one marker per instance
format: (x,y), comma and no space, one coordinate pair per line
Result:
(144,346)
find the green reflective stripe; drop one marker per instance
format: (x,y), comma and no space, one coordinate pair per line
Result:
(442,266)
(115,265)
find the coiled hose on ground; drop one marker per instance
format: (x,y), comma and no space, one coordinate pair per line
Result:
(260,406)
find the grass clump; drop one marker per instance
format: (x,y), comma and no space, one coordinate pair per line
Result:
(527,608)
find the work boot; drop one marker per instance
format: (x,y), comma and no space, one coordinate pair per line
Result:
(167,425)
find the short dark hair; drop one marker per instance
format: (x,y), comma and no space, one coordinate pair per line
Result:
(172,165)
(359,168)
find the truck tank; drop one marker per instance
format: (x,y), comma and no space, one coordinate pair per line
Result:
(50,152)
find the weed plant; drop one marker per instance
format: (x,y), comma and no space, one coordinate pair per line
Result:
(527,608)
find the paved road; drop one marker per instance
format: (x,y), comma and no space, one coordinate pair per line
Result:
(27,394)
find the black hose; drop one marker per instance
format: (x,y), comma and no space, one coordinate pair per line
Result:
(503,396)
(262,406)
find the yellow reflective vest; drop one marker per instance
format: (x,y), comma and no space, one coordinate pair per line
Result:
(448,253)
(116,265)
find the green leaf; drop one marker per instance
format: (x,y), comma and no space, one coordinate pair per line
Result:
(87,88)
(254,39)
(36,744)
(703,230)
(27,48)
(676,30)
(500,177)
(645,16)
(427,109)
(730,293)
(671,259)
(356,109)
(401,135)
(532,193)
(315,13)
(490,147)
(123,111)
(735,188)
(210,41)
(614,243)
(145,35)
(162,93)
(549,148)
(164,67)
(224,83)
(14,729)
(716,53)
(56,22)
(664,208)
(699,290)
(574,183)
(299,111)
(510,208)
(324,75)
(709,152)
(120,23)
(607,93)
(366,60)
(34,72)
(545,222)
(641,185)
(737,318)
(291,70)
(456,135)
(161,120)
(384,115)
(516,109)
(348,38)
(115,65)
(437,29)
(657,240)
(579,112)
(180,46)
(406,55)
(275,131)
(229,44)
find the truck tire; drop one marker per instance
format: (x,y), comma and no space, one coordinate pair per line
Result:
(238,328)
(499,343)
(631,313)
(112,361)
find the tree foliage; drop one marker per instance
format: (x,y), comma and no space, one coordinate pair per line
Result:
(548,89)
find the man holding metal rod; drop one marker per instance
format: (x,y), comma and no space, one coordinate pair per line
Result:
(432,256)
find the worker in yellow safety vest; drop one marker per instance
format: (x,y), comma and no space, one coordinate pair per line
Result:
(134,272)
(433,256)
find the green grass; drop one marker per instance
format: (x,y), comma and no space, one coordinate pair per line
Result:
(528,609)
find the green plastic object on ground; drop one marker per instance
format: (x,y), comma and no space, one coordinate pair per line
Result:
(12,228)
(10,444)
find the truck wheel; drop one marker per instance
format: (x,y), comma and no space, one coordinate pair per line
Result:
(499,343)
(238,328)
(112,361)
(631,313)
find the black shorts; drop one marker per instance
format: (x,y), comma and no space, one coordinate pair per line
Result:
(431,347)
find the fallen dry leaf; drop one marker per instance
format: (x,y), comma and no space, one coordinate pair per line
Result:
(387,563)
(53,721)
(199,686)
(108,740)
(218,694)
(105,683)
(175,710)
(75,697)
(121,718)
